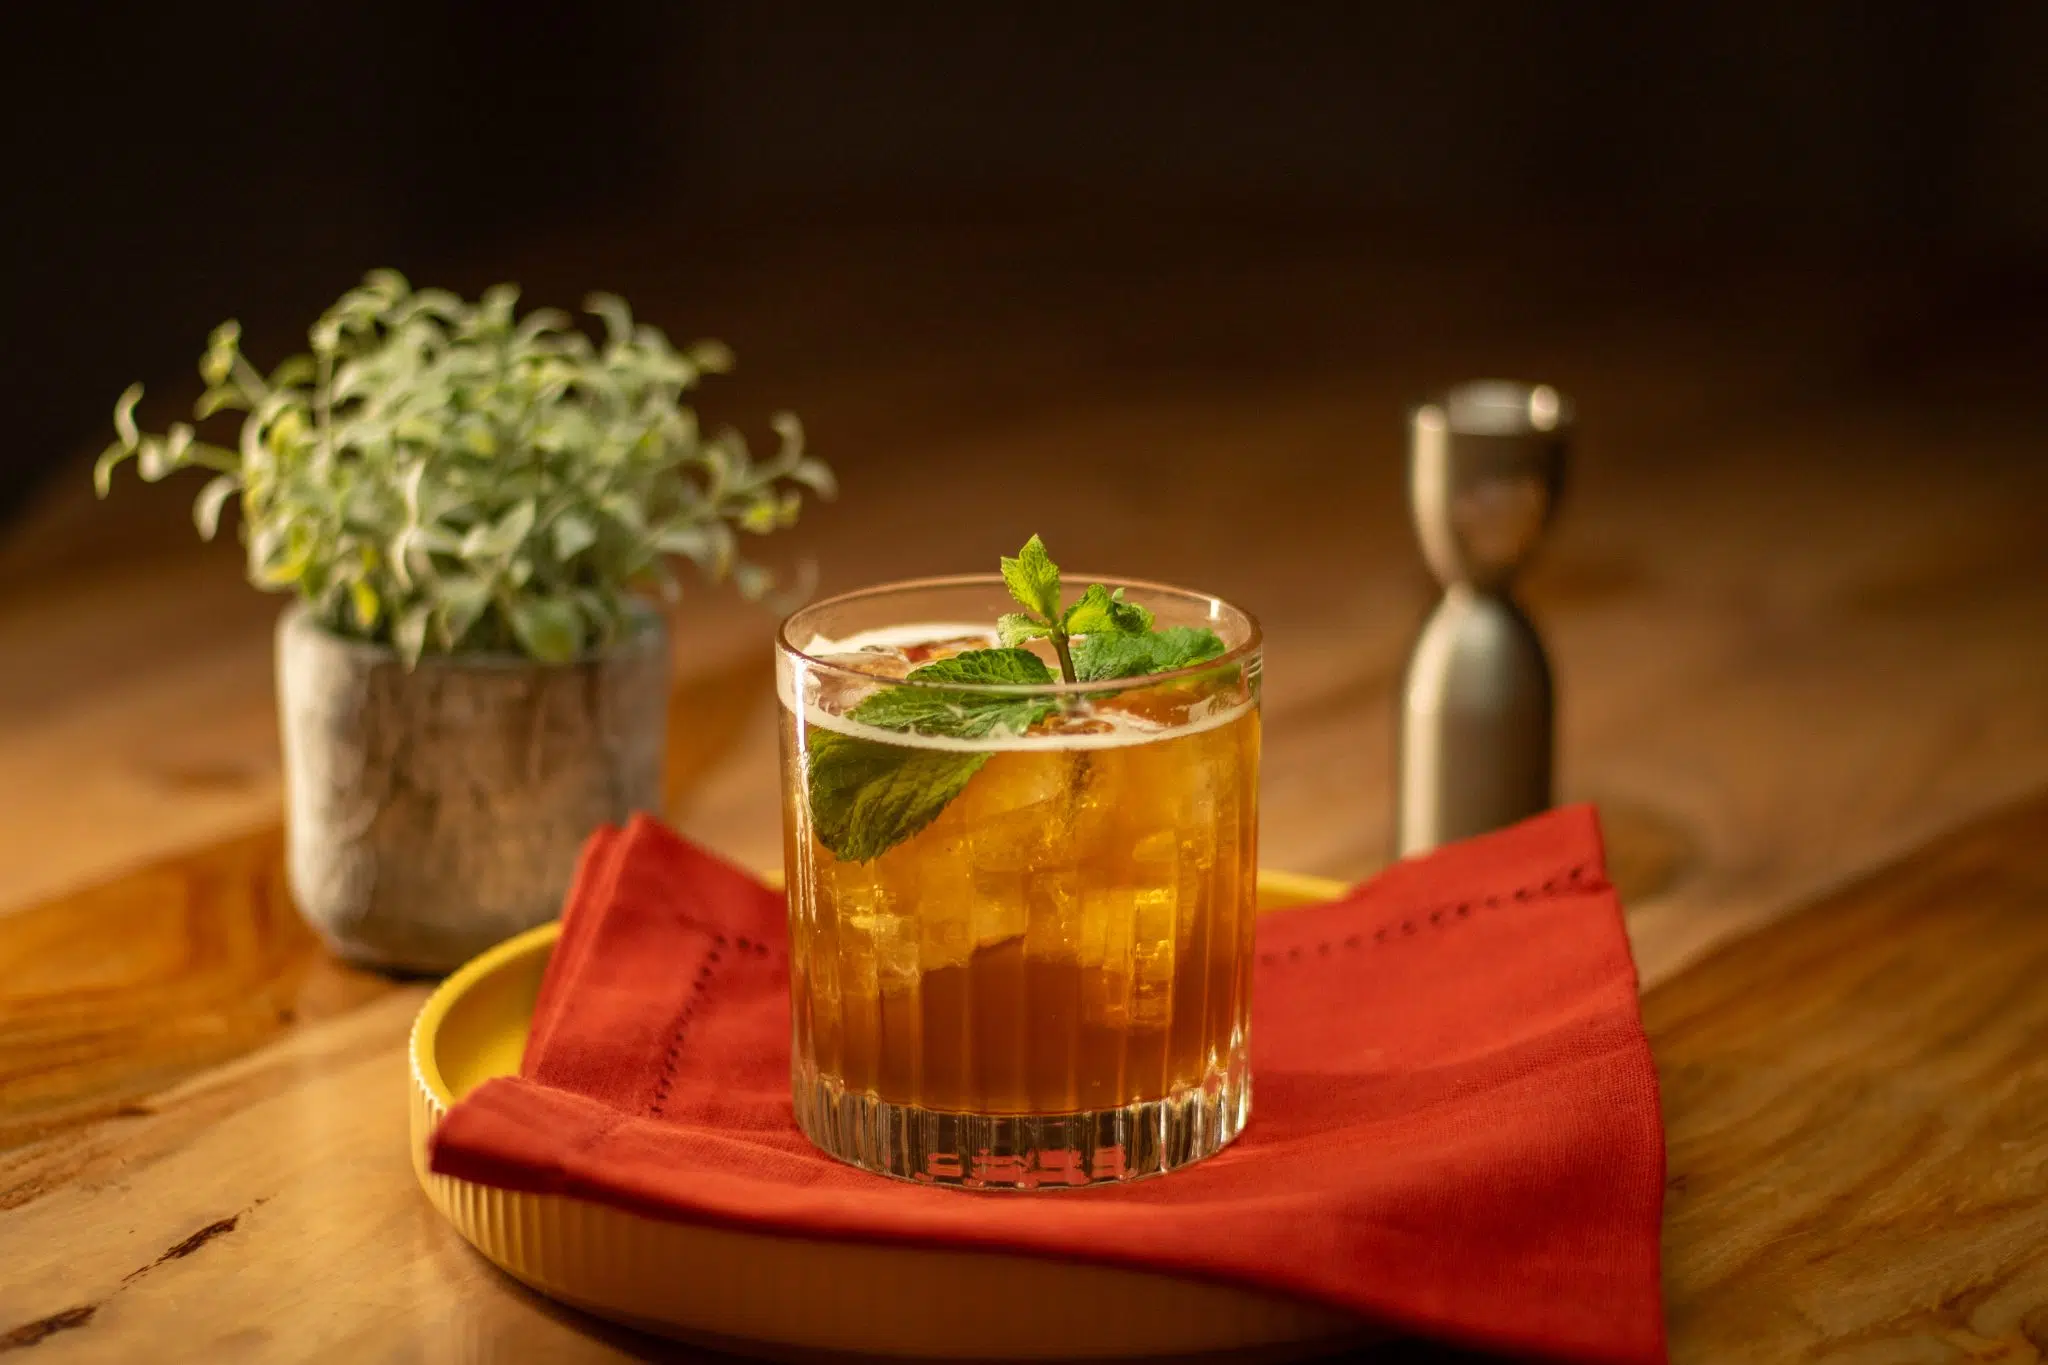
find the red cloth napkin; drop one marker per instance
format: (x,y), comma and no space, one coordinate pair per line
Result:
(1454,1124)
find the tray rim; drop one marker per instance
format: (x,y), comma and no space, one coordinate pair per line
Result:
(785,1296)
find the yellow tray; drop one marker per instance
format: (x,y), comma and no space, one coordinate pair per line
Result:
(786,1297)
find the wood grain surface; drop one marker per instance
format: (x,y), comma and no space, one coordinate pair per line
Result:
(1798,608)
(1857,1107)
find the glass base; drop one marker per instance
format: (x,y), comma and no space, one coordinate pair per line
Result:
(1024,1151)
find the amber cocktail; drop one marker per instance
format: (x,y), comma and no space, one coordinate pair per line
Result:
(1020,947)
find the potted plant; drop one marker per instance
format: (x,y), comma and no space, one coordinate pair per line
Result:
(470,508)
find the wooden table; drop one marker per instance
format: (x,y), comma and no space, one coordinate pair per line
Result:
(1798,604)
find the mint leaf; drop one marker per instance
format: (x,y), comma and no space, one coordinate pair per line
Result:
(1034,580)
(929,710)
(1099,658)
(1101,611)
(986,667)
(1014,628)
(868,795)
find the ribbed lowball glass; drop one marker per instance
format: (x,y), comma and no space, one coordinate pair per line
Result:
(1049,984)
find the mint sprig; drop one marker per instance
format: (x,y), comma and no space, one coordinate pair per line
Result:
(867,796)
(1100,615)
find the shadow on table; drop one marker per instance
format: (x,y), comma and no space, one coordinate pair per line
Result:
(634,1345)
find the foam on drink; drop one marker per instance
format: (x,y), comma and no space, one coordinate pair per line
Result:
(1124,728)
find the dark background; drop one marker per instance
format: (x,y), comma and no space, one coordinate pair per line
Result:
(170,166)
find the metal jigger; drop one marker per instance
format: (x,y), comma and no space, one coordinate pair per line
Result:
(1486,464)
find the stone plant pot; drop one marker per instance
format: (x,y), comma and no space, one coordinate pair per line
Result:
(431,814)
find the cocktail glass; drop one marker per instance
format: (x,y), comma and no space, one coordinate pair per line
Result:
(1049,984)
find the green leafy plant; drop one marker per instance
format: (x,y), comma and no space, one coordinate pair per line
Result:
(446,476)
(867,796)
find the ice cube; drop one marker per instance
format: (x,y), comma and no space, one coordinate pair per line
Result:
(836,691)
(1022,781)
(1077,723)
(944,903)
(1013,819)
(1058,924)
(877,934)
(877,661)
(931,650)
(1155,707)
(1001,907)
(1154,924)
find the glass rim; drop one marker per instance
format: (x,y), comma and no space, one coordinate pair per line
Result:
(1235,655)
